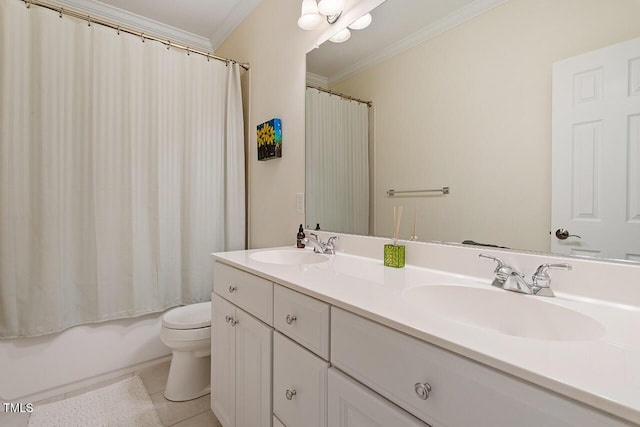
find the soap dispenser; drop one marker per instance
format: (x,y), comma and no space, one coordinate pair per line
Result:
(300,237)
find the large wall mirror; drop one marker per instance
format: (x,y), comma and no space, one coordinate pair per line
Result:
(461,96)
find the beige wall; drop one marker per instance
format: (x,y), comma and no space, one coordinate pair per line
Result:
(480,89)
(275,47)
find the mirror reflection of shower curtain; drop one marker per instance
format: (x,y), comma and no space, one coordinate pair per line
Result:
(337,163)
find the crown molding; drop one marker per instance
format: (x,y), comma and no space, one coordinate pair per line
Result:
(457,18)
(317,80)
(237,15)
(140,23)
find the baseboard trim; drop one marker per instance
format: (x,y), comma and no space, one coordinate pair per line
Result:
(87,382)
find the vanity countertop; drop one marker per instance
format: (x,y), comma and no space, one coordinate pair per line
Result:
(603,372)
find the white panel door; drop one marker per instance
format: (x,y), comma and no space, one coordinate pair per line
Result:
(596,153)
(223,362)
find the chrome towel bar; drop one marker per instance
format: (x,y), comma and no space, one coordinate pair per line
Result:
(443,190)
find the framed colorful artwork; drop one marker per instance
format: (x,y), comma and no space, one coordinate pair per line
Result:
(270,140)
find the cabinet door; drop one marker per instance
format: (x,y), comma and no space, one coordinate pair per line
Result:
(353,405)
(253,371)
(299,384)
(223,365)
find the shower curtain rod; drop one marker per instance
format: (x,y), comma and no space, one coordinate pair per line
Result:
(123,28)
(341,95)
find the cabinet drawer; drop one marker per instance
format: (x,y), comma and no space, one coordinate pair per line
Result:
(251,293)
(353,405)
(463,392)
(299,385)
(302,318)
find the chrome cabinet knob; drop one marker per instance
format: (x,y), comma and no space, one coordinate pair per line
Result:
(563,234)
(290,319)
(289,394)
(232,289)
(423,390)
(228,319)
(234,322)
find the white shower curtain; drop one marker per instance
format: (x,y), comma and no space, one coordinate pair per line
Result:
(121,170)
(337,163)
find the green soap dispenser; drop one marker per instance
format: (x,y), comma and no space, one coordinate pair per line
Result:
(300,237)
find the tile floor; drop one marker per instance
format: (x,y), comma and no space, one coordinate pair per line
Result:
(194,413)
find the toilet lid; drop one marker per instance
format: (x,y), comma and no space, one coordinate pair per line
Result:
(190,316)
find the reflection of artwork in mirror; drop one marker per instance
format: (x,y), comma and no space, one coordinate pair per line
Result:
(466,101)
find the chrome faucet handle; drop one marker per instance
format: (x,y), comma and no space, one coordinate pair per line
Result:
(497,260)
(542,280)
(502,271)
(507,277)
(314,240)
(329,247)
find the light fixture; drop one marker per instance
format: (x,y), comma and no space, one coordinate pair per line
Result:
(309,19)
(361,23)
(313,13)
(330,7)
(341,36)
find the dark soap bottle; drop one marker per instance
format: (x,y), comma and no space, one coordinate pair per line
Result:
(300,237)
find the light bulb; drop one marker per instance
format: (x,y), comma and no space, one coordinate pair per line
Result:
(330,7)
(341,36)
(362,22)
(309,19)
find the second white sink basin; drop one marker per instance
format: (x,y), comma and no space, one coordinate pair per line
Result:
(506,312)
(288,257)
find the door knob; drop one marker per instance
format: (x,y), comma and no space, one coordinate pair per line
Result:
(563,234)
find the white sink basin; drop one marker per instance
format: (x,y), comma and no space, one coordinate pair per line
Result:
(288,257)
(506,312)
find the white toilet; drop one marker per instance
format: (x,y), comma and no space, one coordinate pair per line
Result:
(187,331)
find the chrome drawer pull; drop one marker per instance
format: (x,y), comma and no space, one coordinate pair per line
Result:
(232,289)
(289,394)
(290,319)
(423,390)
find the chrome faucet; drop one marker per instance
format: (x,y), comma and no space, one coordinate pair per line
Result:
(510,279)
(319,246)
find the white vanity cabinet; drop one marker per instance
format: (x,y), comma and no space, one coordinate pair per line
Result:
(300,359)
(241,356)
(442,388)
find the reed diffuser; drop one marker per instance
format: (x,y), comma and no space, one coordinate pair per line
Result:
(414,235)
(394,253)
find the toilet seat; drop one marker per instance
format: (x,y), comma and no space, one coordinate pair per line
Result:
(191,316)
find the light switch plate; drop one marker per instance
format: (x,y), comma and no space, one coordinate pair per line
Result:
(300,203)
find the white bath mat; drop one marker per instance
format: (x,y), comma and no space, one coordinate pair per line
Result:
(125,403)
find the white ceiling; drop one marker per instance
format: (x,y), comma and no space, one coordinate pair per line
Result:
(199,23)
(397,26)
(206,24)
(213,19)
